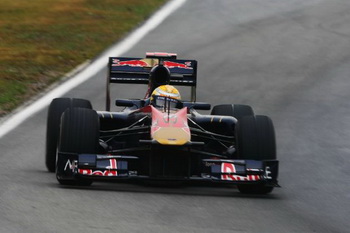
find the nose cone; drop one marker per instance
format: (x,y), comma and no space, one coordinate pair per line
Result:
(170,128)
(171,136)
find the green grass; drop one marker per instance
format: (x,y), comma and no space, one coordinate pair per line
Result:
(41,40)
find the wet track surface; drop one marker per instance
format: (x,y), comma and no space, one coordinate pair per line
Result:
(288,59)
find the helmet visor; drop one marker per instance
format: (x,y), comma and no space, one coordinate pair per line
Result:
(165,102)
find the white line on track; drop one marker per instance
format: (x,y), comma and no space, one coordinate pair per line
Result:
(93,68)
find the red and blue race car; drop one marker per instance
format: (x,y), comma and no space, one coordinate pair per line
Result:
(160,137)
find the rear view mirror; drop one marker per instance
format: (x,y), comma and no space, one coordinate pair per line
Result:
(124,103)
(201,106)
(197,105)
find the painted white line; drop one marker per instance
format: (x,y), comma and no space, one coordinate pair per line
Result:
(93,69)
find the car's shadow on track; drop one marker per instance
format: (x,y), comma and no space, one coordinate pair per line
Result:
(218,190)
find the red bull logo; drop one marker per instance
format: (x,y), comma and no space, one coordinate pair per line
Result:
(171,65)
(230,168)
(109,172)
(132,63)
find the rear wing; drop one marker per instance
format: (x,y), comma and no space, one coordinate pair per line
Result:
(137,71)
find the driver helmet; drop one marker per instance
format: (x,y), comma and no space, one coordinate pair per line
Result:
(165,95)
(166,91)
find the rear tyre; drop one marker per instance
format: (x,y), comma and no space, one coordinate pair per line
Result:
(79,134)
(255,141)
(236,110)
(56,109)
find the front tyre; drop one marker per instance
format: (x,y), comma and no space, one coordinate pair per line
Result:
(56,109)
(255,141)
(254,189)
(79,134)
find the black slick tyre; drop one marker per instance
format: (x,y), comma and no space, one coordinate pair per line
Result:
(255,141)
(236,110)
(79,134)
(56,109)
(79,131)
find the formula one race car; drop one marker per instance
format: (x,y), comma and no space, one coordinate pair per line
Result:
(160,137)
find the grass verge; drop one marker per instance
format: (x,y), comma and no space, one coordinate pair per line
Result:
(41,40)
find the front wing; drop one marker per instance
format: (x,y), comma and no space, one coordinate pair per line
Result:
(115,167)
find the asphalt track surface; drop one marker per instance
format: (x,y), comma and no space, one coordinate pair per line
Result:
(288,59)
